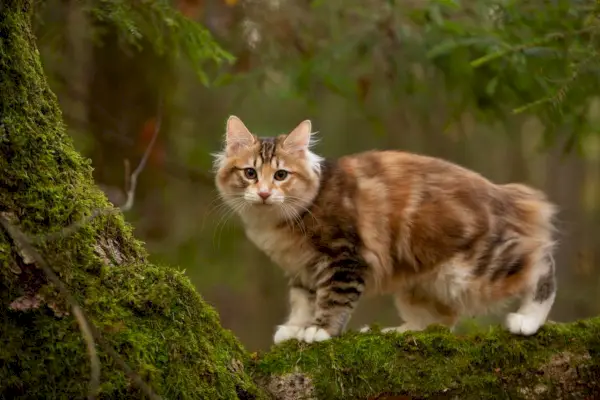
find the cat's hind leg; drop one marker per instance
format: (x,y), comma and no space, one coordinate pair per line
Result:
(536,301)
(418,312)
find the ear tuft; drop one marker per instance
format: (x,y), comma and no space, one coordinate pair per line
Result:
(299,138)
(237,136)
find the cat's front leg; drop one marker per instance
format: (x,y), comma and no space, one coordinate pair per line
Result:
(302,306)
(338,292)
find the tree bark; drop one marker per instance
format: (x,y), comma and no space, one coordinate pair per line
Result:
(153,317)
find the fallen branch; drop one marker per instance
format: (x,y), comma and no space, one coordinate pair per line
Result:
(562,361)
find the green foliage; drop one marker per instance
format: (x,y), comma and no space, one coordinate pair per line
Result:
(154,23)
(492,58)
(439,364)
(158,23)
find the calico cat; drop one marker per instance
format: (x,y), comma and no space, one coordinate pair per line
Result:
(442,240)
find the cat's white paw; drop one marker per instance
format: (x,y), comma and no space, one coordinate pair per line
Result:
(522,324)
(315,334)
(391,329)
(287,332)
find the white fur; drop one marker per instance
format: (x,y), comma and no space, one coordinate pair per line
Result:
(308,335)
(276,197)
(315,334)
(219,160)
(287,332)
(292,253)
(314,161)
(528,320)
(453,285)
(532,314)
(301,314)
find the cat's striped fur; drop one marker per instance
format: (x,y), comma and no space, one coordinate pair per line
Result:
(441,239)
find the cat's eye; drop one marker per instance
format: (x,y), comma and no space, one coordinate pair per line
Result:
(280,175)
(250,173)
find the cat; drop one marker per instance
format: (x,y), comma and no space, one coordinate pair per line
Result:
(444,241)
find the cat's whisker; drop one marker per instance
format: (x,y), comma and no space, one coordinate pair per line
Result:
(297,220)
(295,204)
(216,205)
(222,219)
(222,204)
(286,216)
(237,208)
(237,205)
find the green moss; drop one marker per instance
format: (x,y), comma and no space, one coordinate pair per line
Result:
(437,363)
(151,315)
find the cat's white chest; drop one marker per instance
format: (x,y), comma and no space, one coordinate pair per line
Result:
(287,249)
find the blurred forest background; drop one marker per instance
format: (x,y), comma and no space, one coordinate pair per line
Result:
(507,88)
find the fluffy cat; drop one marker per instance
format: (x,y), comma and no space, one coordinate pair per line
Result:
(442,240)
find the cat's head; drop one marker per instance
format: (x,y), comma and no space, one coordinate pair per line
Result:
(270,176)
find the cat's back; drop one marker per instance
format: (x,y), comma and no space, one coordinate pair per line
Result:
(403,206)
(393,165)
(397,184)
(398,176)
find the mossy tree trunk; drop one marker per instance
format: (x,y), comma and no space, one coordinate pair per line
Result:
(154,318)
(151,315)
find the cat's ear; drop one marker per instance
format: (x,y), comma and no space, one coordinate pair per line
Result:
(237,136)
(299,138)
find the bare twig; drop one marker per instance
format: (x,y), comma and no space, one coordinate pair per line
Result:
(21,240)
(90,333)
(127,166)
(172,167)
(130,187)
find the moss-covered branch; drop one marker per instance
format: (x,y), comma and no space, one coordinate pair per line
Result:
(560,362)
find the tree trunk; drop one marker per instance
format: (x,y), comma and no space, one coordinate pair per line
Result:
(152,316)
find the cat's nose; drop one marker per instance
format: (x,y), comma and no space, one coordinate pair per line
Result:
(264,195)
